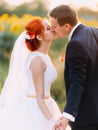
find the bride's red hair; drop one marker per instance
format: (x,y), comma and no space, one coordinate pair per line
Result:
(34,27)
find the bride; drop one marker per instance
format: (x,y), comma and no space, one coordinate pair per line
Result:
(25,101)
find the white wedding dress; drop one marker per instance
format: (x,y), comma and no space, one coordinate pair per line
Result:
(21,112)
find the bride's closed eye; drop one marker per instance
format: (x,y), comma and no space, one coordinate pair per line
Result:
(48,28)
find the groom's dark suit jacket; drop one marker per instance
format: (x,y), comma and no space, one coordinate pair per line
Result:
(81,75)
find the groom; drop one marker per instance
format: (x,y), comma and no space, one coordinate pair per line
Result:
(81,70)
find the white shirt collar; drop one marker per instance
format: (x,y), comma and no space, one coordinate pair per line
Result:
(70,34)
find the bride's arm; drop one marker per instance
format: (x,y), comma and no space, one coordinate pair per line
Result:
(38,68)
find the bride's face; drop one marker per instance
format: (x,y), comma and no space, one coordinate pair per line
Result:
(48,34)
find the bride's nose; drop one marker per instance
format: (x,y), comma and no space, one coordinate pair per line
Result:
(52,29)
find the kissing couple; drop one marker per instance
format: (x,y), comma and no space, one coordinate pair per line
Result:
(26,102)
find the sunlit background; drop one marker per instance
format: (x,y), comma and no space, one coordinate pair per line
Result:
(92,4)
(13,16)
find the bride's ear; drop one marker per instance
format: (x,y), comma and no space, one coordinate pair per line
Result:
(39,37)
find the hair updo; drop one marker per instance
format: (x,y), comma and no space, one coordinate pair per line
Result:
(34,27)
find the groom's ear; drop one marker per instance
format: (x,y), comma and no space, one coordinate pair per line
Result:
(39,37)
(68,27)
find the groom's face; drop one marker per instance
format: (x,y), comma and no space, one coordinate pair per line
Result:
(60,31)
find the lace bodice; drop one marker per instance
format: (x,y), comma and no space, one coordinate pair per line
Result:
(49,75)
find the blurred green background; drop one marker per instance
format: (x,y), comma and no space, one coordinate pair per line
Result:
(12,21)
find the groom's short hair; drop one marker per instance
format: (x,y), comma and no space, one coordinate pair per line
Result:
(64,14)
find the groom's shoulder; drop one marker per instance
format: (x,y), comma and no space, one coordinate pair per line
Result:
(94,29)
